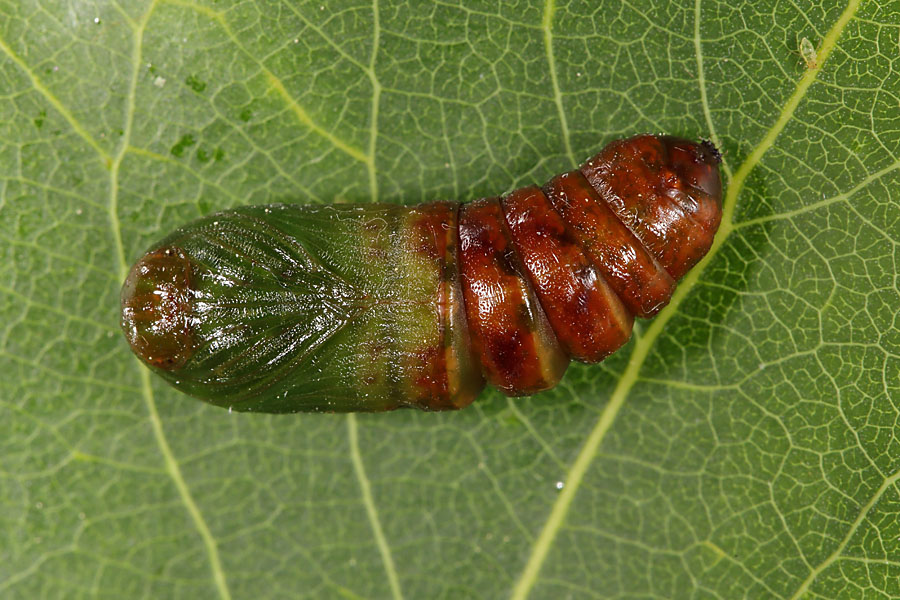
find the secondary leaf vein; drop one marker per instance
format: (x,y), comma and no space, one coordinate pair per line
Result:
(159,435)
(547,27)
(371,511)
(645,343)
(61,108)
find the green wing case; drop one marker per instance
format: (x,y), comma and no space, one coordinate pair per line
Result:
(287,308)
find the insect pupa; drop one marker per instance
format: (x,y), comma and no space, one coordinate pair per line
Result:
(373,307)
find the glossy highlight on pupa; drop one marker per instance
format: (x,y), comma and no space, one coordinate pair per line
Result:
(296,308)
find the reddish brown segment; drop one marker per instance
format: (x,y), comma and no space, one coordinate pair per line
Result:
(642,179)
(156,300)
(587,317)
(692,176)
(641,282)
(448,376)
(510,333)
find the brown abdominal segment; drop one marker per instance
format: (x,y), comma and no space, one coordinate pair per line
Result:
(562,271)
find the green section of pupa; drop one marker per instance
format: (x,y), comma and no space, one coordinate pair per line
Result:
(304,308)
(433,348)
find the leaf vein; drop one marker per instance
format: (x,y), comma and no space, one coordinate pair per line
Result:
(547,27)
(171,464)
(39,86)
(645,343)
(275,82)
(371,510)
(854,527)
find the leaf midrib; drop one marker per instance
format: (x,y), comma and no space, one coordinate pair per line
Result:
(642,347)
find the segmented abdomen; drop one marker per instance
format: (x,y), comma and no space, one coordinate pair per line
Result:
(288,308)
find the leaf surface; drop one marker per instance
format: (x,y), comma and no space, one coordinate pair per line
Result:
(744,444)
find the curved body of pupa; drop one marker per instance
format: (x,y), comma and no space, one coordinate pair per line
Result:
(288,308)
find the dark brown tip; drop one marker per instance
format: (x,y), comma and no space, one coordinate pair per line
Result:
(697,166)
(666,190)
(715,156)
(156,306)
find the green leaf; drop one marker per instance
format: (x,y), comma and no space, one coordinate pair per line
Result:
(744,444)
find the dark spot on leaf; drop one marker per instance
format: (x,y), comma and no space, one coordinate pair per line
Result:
(246,114)
(39,120)
(204,155)
(196,84)
(185,142)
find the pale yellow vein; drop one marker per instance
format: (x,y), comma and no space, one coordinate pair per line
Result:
(645,343)
(836,555)
(376,100)
(825,202)
(171,464)
(276,84)
(547,27)
(701,83)
(61,108)
(371,511)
